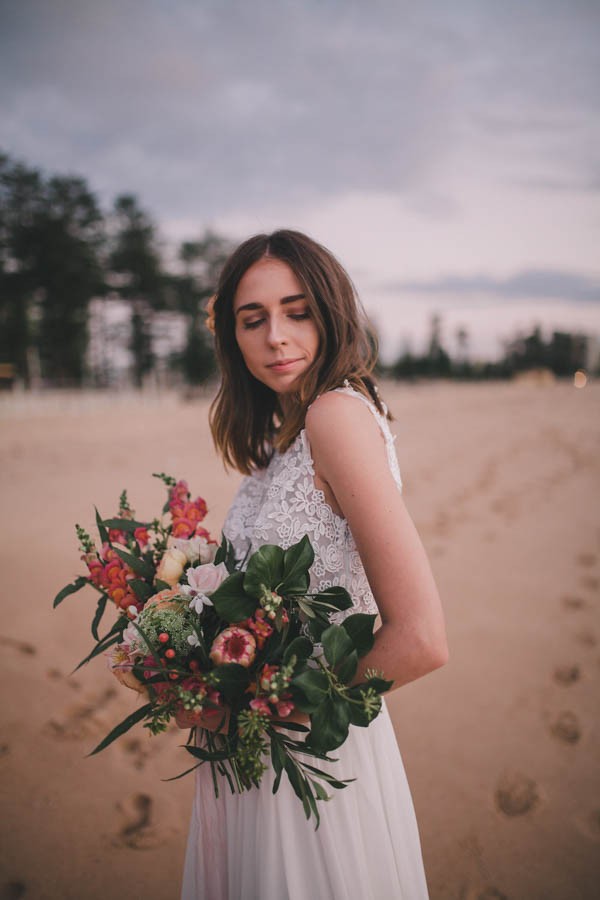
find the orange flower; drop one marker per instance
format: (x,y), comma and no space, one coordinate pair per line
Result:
(210,313)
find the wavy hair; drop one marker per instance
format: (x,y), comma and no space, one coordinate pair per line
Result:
(246,419)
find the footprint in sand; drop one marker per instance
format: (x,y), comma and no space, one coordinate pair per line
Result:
(479,892)
(516,794)
(566,727)
(573,602)
(140,750)
(567,675)
(586,638)
(13,890)
(587,560)
(138,831)
(20,646)
(83,720)
(589,824)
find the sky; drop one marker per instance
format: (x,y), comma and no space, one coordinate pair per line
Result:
(447,153)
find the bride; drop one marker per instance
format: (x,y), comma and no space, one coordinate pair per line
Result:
(299,414)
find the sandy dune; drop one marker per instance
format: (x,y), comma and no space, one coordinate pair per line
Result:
(501,746)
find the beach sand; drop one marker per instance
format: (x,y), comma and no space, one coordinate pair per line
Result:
(501,746)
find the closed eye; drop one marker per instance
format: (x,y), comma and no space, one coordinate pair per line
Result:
(297,317)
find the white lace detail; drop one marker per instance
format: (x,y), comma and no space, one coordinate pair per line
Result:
(280,504)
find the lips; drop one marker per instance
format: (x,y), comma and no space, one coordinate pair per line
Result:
(282,364)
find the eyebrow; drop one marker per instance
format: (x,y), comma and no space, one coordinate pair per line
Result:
(283,300)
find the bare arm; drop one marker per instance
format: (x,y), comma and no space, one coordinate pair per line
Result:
(351,465)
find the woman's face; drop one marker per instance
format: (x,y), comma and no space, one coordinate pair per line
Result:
(274,328)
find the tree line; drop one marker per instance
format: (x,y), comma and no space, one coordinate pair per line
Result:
(59,250)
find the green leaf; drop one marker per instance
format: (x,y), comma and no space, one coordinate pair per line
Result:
(182,774)
(379,684)
(358,716)
(207,755)
(329,724)
(316,628)
(360,629)
(230,678)
(160,585)
(230,601)
(102,531)
(336,644)
(346,669)
(123,726)
(127,525)
(313,683)
(305,607)
(277,758)
(142,590)
(301,647)
(297,560)
(139,566)
(336,597)
(98,616)
(72,588)
(265,567)
(330,779)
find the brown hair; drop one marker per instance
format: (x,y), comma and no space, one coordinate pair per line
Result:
(246,419)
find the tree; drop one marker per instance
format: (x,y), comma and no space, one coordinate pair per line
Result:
(137,276)
(202,261)
(50,236)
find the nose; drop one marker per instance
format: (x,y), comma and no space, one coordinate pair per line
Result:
(276,335)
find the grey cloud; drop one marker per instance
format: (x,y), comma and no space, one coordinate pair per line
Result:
(206,107)
(529,284)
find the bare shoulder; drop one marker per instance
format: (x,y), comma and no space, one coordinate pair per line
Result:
(335,416)
(343,431)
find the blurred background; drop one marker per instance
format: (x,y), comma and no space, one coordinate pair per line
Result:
(448,154)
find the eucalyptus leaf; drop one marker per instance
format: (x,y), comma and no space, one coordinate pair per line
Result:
(98,616)
(123,726)
(102,529)
(127,525)
(139,566)
(72,588)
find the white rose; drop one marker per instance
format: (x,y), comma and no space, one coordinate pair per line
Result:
(170,568)
(196,549)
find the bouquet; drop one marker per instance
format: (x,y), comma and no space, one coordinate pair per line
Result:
(239,643)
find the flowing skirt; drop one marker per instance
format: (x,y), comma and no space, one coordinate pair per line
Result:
(260,846)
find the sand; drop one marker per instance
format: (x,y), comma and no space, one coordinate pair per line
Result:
(501,746)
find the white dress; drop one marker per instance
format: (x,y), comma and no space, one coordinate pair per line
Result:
(260,846)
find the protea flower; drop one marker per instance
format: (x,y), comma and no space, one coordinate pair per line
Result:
(234,645)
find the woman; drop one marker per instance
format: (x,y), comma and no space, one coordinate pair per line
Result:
(298,413)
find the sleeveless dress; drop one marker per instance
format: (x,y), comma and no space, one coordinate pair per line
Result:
(259,845)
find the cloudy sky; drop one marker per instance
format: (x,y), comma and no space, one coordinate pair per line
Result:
(449,153)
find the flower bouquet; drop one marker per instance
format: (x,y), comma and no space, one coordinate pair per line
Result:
(239,643)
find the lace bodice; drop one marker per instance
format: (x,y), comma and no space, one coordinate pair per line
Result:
(280,504)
